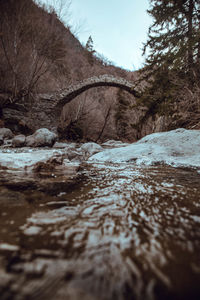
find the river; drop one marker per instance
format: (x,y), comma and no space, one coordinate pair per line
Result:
(117,231)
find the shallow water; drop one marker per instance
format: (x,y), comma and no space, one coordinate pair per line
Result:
(115,232)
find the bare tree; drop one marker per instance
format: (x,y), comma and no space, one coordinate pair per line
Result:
(60,7)
(29,44)
(106,118)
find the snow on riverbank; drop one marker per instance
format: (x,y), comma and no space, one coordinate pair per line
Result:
(177,148)
(26,158)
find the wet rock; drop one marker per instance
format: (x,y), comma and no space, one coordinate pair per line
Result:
(89,149)
(5,280)
(75,154)
(6,133)
(41,138)
(48,165)
(19,140)
(33,269)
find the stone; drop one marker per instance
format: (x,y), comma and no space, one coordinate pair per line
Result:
(66,95)
(49,165)
(19,140)
(58,145)
(114,144)
(41,138)
(160,124)
(90,148)
(6,133)
(74,154)
(5,279)
(1,140)
(30,141)
(48,109)
(7,143)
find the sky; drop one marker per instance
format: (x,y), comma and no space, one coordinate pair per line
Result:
(118,28)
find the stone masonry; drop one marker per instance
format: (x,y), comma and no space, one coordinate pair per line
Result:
(47,110)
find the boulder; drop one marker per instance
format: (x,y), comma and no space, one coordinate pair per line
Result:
(41,138)
(90,149)
(19,140)
(6,133)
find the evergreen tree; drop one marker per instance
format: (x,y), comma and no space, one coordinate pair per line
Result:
(120,114)
(89,45)
(174,37)
(173,49)
(90,50)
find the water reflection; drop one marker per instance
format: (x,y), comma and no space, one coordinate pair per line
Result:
(119,233)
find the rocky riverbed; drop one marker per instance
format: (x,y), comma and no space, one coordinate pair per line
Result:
(120,224)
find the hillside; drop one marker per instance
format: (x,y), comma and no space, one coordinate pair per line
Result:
(39,55)
(60,60)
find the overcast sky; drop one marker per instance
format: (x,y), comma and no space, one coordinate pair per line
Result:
(118,28)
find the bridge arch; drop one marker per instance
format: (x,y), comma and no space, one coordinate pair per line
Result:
(48,109)
(58,100)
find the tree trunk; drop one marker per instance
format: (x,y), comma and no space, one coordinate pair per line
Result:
(198,53)
(190,59)
(104,124)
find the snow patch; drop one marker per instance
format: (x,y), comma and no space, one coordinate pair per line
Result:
(176,148)
(20,160)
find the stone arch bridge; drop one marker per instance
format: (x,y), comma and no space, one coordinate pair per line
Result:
(51,104)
